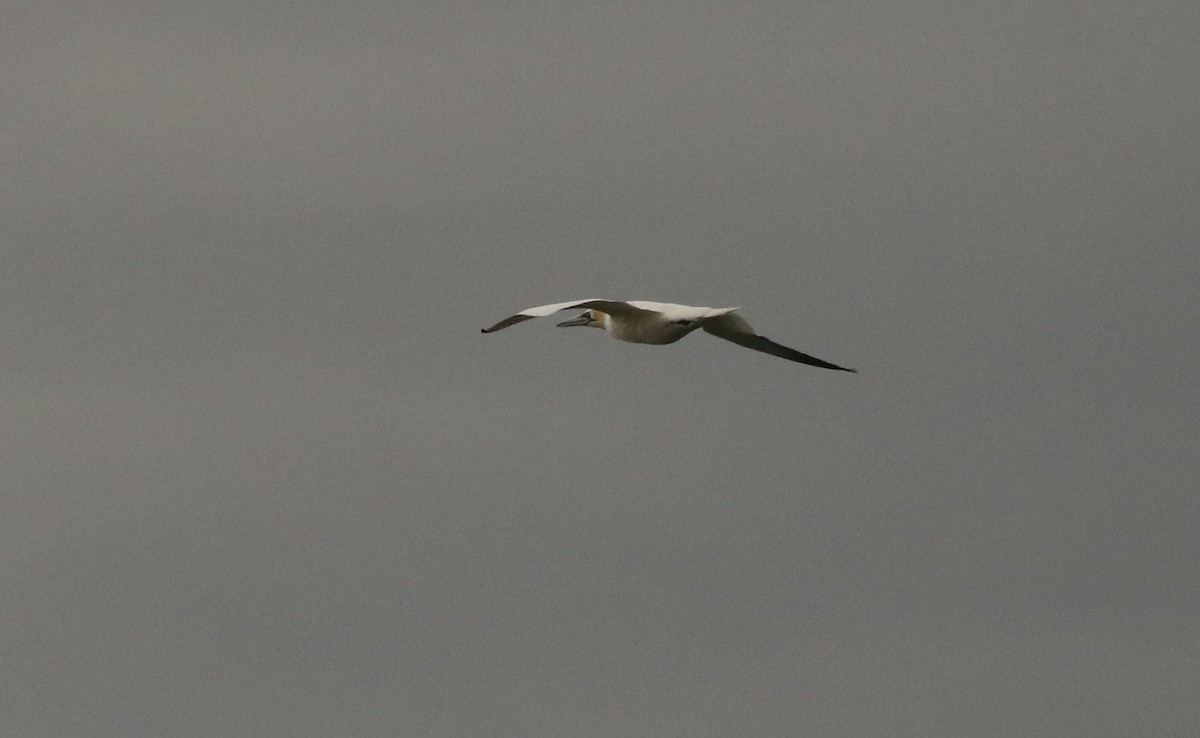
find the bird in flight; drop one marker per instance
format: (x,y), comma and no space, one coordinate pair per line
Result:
(639,321)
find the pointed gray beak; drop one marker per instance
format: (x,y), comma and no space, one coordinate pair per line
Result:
(581,320)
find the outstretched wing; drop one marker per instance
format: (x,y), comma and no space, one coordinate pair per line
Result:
(612,307)
(733,327)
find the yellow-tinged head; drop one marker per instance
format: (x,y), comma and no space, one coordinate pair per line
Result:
(594,318)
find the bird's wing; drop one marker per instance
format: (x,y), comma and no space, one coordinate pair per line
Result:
(673,313)
(612,307)
(733,327)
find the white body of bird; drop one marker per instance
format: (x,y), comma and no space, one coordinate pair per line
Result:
(641,321)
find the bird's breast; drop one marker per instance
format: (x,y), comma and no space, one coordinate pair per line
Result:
(650,331)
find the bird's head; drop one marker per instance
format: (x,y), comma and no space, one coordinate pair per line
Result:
(594,318)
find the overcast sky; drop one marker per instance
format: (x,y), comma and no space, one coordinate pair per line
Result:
(260,474)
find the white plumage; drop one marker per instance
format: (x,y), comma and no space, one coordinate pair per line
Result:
(640,321)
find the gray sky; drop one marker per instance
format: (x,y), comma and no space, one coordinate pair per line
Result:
(262,476)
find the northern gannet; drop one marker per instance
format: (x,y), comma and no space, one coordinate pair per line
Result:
(639,321)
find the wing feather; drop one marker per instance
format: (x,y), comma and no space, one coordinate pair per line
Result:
(733,327)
